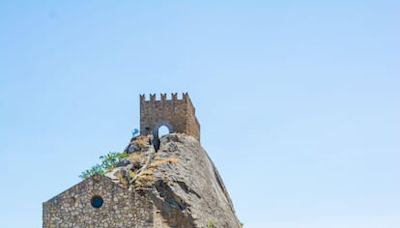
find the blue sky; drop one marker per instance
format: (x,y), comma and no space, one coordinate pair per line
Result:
(299,101)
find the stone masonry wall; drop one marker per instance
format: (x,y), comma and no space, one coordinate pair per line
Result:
(121,207)
(179,115)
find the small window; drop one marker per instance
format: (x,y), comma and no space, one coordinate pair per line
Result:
(96,201)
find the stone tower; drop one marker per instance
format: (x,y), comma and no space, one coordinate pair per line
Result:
(178,115)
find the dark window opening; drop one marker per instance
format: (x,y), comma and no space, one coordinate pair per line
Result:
(96,201)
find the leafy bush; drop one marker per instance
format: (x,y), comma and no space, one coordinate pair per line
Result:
(108,162)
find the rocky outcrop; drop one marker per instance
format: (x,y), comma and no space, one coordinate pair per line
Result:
(181,180)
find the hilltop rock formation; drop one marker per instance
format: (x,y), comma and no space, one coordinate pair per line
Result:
(157,183)
(180,179)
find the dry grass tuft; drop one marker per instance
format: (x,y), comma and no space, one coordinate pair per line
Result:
(145,178)
(142,141)
(161,161)
(136,157)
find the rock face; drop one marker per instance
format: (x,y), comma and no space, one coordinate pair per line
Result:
(181,180)
(176,186)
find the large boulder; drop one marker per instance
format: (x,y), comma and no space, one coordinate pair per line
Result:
(183,183)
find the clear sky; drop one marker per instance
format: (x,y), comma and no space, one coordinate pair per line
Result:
(299,101)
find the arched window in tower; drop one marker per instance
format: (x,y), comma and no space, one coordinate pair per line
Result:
(163,130)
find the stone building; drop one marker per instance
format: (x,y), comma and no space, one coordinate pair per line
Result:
(173,185)
(98,202)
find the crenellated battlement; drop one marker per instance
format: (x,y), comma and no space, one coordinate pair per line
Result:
(163,97)
(176,113)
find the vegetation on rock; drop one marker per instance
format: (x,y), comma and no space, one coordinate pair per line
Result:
(108,162)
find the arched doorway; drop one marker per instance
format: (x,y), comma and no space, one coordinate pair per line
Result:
(163,130)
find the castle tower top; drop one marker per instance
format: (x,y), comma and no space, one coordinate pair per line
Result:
(178,115)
